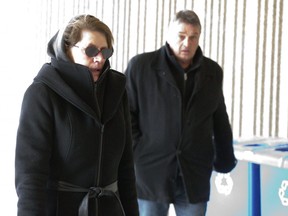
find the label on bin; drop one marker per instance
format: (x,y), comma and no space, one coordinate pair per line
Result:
(282,191)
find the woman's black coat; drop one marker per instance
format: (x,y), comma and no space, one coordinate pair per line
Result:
(163,142)
(74,131)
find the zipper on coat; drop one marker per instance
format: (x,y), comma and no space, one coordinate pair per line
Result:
(183,100)
(98,110)
(98,178)
(185,76)
(99,166)
(185,80)
(99,113)
(100,154)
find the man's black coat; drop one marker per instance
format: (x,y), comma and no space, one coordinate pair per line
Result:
(167,137)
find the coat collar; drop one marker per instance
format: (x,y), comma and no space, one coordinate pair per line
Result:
(165,72)
(74,83)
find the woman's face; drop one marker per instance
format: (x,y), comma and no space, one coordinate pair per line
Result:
(92,40)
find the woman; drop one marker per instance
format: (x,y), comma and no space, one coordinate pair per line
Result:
(74,152)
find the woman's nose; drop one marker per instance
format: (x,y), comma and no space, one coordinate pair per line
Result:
(98,57)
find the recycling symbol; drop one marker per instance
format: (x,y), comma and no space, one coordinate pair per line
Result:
(224,183)
(282,190)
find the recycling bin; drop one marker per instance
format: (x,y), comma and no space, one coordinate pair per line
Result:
(264,156)
(259,183)
(229,192)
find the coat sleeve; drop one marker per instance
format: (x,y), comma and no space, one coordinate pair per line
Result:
(225,159)
(126,176)
(33,150)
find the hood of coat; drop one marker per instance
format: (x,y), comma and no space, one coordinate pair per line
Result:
(74,82)
(56,47)
(57,51)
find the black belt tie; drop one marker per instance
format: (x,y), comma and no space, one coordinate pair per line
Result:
(92,192)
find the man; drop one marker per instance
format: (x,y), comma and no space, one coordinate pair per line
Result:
(181,130)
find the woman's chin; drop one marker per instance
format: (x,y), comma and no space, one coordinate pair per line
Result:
(95,74)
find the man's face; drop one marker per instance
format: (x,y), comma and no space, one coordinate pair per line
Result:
(183,39)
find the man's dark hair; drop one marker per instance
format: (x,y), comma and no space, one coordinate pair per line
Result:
(187,16)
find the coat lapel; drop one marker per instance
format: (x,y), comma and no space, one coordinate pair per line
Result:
(162,69)
(114,91)
(61,88)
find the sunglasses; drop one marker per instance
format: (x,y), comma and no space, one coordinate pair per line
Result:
(92,51)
